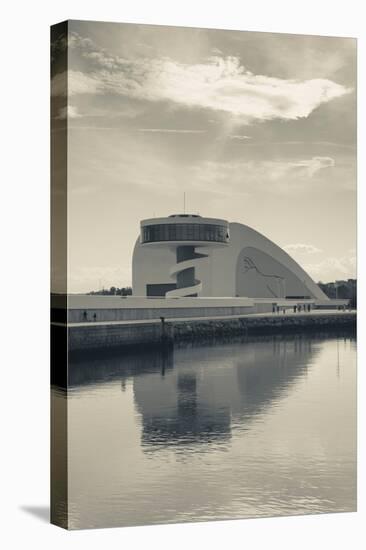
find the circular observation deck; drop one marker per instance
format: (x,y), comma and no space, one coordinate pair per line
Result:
(184,229)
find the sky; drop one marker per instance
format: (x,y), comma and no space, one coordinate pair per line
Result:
(256,128)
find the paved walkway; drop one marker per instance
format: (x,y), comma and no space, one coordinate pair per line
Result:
(290,313)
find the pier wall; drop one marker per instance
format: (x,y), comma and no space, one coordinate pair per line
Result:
(93,336)
(99,309)
(142,314)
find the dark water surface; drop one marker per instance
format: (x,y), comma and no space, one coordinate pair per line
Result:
(257,428)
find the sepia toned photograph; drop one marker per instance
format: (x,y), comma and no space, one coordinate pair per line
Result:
(203,274)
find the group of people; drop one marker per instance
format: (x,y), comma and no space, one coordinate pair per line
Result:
(297,308)
(304,307)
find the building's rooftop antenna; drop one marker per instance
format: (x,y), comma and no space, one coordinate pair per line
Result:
(184,202)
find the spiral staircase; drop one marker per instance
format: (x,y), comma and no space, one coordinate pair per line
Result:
(184,271)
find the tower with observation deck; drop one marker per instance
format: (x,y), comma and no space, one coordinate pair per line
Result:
(191,238)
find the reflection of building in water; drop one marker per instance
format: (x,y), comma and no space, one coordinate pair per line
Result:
(196,395)
(174,412)
(267,370)
(210,388)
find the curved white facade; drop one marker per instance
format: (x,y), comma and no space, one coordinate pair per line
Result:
(223,260)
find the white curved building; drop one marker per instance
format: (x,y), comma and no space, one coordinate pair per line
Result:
(190,256)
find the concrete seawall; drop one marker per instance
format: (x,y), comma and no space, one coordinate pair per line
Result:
(81,309)
(91,336)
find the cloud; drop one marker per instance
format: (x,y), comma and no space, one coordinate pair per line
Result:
(218,83)
(281,177)
(170,131)
(68,112)
(239,137)
(330,269)
(295,170)
(302,248)
(76,82)
(313,165)
(218,179)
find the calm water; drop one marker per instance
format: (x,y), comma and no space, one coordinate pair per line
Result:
(258,428)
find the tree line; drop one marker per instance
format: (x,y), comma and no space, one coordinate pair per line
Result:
(346,290)
(113,291)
